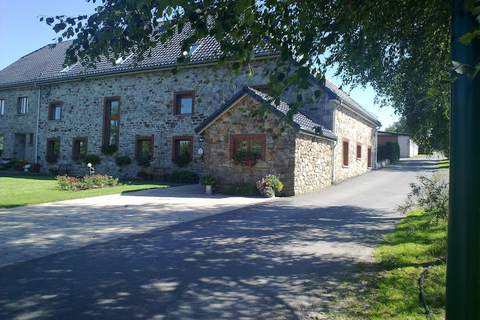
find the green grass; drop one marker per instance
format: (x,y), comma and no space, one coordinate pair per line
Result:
(392,290)
(23,190)
(443,164)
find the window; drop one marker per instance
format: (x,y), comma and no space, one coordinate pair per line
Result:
(79,150)
(359,151)
(369,157)
(182,150)
(2,107)
(22,105)
(247,147)
(183,103)
(111,126)
(30,139)
(53,150)
(55,110)
(345,153)
(2,144)
(144,148)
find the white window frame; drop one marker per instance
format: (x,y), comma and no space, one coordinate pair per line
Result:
(24,105)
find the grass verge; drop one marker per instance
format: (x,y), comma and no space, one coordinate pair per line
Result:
(24,190)
(443,164)
(391,291)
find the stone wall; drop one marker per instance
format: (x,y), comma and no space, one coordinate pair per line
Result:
(279,153)
(352,128)
(146,109)
(12,123)
(313,163)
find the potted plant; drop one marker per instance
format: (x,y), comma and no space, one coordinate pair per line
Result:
(269,185)
(209,182)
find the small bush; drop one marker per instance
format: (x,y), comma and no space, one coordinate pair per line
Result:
(122,161)
(430,194)
(208,181)
(390,151)
(67,183)
(93,159)
(109,150)
(183,176)
(269,185)
(19,164)
(240,189)
(183,159)
(144,161)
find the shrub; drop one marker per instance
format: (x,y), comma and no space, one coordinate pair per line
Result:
(430,194)
(19,164)
(240,189)
(269,185)
(123,161)
(93,159)
(183,176)
(390,151)
(208,181)
(109,150)
(67,183)
(144,161)
(183,159)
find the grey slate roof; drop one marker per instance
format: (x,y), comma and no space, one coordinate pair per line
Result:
(299,120)
(337,93)
(46,63)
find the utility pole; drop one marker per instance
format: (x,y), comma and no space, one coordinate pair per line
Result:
(463,261)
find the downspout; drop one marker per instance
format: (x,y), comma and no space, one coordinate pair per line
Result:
(376,148)
(334,129)
(37,125)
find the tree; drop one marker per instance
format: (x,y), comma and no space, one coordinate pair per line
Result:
(401,48)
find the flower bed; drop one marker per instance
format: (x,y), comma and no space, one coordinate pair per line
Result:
(68,183)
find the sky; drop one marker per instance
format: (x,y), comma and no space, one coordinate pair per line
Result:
(21,32)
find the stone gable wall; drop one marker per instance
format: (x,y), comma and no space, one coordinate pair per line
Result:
(313,163)
(349,126)
(279,153)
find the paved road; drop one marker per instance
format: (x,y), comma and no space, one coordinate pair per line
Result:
(40,230)
(280,260)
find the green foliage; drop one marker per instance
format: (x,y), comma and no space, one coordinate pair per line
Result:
(390,151)
(401,48)
(430,194)
(109,149)
(443,164)
(93,159)
(240,189)
(122,161)
(269,185)
(182,176)
(392,291)
(144,161)
(67,183)
(208,181)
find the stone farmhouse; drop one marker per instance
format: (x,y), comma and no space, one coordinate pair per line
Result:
(199,116)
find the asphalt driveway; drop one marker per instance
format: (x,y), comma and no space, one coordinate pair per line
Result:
(39,230)
(279,260)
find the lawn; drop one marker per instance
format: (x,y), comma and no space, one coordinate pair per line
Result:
(391,291)
(443,164)
(23,190)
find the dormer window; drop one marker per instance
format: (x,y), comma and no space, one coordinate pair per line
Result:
(122,60)
(67,68)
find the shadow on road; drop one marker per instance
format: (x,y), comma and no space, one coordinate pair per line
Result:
(269,261)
